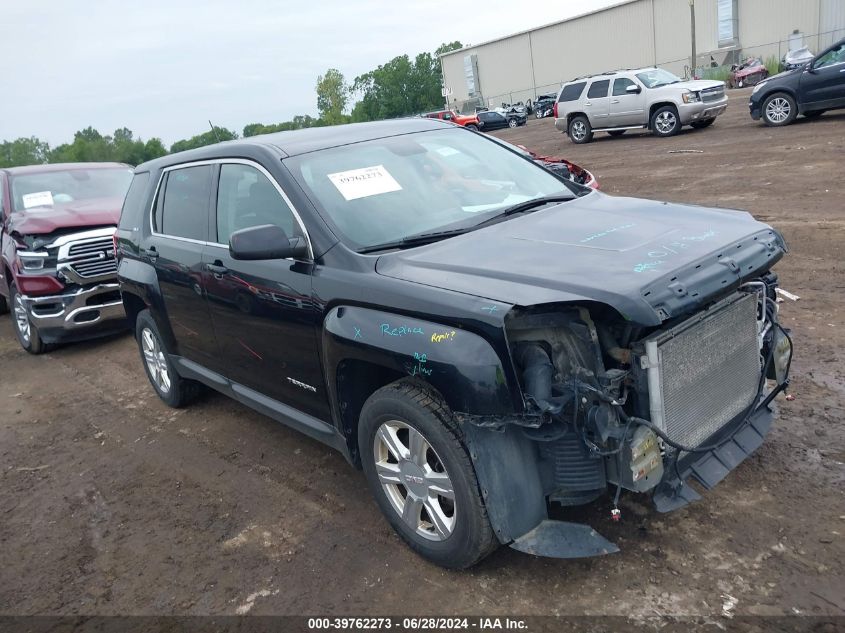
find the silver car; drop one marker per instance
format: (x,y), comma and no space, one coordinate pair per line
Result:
(650,98)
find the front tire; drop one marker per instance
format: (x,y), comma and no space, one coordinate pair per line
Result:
(174,390)
(512,123)
(779,109)
(25,330)
(421,476)
(580,131)
(665,122)
(472,127)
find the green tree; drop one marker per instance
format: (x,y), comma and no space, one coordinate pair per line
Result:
(332,97)
(23,151)
(214,135)
(400,87)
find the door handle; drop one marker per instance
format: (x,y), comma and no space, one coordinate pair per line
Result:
(587,103)
(615,101)
(217,268)
(151,253)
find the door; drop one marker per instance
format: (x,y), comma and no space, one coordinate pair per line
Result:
(175,249)
(626,108)
(262,311)
(824,86)
(597,104)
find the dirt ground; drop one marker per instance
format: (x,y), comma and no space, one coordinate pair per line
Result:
(111,503)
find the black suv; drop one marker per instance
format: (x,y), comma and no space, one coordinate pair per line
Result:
(810,90)
(481,336)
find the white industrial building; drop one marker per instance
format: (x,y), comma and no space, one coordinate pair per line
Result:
(632,34)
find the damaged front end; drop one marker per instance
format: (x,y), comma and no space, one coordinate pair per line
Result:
(610,405)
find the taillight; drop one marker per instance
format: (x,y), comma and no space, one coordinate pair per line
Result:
(555,109)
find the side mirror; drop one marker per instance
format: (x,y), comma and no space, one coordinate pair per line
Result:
(633,90)
(267,241)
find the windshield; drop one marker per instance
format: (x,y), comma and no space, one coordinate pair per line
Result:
(48,188)
(384,190)
(657,77)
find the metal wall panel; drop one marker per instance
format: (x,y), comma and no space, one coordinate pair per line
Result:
(831,22)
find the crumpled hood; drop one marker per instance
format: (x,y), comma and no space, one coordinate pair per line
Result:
(82,213)
(649,260)
(696,84)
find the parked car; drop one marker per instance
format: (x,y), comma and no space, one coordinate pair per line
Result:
(544,105)
(649,98)
(810,90)
(749,73)
(58,267)
(490,120)
(479,335)
(795,59)
(554,164)
(467,120)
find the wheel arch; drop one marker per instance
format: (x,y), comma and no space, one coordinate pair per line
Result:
(656,106)
(365,349)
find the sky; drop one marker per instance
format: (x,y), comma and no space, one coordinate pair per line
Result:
(165,67)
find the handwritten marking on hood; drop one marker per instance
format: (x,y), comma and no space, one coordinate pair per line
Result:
(596,236)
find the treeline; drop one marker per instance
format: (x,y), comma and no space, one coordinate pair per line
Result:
(401,87)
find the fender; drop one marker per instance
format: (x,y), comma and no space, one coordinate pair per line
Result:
(139,279)
(460,365)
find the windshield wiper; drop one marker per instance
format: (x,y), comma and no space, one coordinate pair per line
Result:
(414,240)
(524,206)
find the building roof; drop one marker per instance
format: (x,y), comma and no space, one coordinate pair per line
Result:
(537,28)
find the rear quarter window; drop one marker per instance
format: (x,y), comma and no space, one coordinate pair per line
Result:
(134,203)
(572,92)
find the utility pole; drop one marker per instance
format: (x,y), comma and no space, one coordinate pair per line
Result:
(692,37)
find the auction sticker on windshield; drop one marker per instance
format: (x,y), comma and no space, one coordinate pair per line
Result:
(365,182)
(38,199)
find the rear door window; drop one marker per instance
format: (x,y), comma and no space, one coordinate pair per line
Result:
(184,207)
(572,92)
(598,89)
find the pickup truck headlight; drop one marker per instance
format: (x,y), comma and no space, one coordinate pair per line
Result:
(32,261)
(691,97)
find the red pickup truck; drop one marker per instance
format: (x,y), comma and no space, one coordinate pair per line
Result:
(469,121)
(58,273)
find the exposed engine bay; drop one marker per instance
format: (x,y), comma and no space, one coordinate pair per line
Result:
(621,406)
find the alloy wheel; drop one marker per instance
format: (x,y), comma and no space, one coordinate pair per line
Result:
(22,319)
(415,480)
(665,122)
(156,362)
(778,110)
(579,130)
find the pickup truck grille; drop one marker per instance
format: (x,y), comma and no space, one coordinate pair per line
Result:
(88,257)
(708,372)
(712,94)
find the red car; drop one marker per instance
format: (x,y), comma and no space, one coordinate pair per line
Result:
(59,273)
(749,73)
(469,121)
(555,164)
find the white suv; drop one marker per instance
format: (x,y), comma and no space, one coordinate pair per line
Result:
(629,99)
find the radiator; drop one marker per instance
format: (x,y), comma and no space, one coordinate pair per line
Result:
(705,371)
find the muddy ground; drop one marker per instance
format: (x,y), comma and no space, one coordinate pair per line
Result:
(111,503)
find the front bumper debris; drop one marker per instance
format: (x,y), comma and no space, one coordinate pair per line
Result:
(63,316)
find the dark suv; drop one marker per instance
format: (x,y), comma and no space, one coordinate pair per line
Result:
(478,334)
(811,89)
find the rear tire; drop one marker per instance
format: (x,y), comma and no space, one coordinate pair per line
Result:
(779,109)
(579,130)
(512,123)
(616,132)
(700,125)
(665,122)
(173,390)
(411,452)
(25,330)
